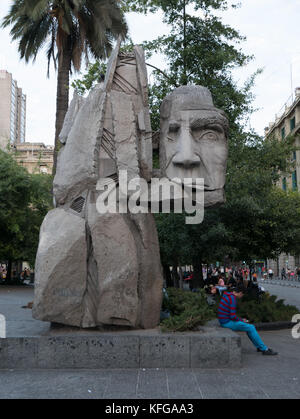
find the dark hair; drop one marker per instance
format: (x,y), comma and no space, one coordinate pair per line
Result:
(240,288)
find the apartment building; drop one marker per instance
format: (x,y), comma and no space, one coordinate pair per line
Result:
(12,111)
(288,123)
(35,157)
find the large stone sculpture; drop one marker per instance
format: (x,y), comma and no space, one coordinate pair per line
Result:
(193,140)
(101,269)
(96,269)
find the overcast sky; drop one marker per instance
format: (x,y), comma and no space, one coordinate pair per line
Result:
(272,29)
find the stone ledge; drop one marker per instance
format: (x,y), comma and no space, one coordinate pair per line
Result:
(209,349)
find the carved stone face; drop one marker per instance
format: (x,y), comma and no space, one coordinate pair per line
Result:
(193,140)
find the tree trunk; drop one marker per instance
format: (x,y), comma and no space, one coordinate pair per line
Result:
(167,275)
(9,270)
(180,278)
(184,80)
(175,276)
(62,98)
(198,275)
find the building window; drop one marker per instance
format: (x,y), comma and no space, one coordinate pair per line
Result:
(294,181)
(294,155)
(283,133)
(292,123)
(284,183)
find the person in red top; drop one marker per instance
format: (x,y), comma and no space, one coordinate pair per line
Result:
(228,318)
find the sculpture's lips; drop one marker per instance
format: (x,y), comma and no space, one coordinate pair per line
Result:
(192,184)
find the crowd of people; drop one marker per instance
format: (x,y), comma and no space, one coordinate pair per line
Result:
(290,275)
(23,277)
(218,280)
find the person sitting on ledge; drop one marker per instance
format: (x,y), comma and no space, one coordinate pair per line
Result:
(228,319)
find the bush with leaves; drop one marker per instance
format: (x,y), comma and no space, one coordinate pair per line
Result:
(266,309)
(25,200)
(188,310)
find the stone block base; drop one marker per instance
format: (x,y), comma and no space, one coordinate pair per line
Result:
(136,349)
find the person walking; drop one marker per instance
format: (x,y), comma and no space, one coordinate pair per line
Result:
(228,319)
(283,274)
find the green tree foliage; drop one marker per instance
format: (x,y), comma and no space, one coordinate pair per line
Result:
(93,75)
(170,6)
(258,220)
(72,29)
(201,50)
(25,200)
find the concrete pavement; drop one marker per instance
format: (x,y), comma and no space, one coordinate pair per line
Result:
(260,377)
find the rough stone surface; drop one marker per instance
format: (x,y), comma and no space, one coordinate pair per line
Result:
(107,156)
(123,350)
(125,134)
(150,272)
(106,133)
(77,164)
(111,67)
(104,269)
(216,349)
(60,280)
(73,110)
(117,269)
(193,140)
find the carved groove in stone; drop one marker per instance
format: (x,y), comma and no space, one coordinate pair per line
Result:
(115,178)
(77,204)
(124,84)
(91,295)
(107,143)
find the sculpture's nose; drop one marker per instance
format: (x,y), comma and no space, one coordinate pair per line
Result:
(185,156)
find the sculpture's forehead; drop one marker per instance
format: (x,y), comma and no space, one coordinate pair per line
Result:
(193,113)
(190,115)
(191,100)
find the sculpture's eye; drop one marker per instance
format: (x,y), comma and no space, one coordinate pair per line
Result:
(174,128)
(169,138)
(210,136)
(207,135)
(209,132)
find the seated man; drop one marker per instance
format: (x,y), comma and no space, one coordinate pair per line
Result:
(228,318)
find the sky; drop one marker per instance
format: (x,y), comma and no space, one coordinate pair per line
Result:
(272,32)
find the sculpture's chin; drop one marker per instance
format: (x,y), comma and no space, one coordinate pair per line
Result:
(214,198)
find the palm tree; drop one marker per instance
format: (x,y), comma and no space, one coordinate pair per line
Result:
(72,29)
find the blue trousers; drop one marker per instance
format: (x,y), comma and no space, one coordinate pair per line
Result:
(249,329)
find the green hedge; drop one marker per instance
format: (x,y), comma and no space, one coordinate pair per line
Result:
(188,310)
(268,308)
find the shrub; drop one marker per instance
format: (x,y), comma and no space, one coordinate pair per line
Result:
(266,309)
(187,310)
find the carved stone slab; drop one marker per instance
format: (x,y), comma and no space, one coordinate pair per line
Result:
(61,269)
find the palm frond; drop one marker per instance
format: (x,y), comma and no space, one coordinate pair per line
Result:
(83,27)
